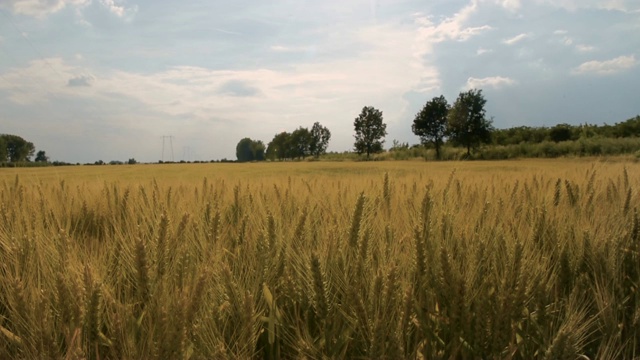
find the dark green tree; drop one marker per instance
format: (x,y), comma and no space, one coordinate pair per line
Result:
(258,150)
(279,147)
(17,148)
(320,136)
(243,150)
(41,156)
(561,132)
(466,122)
(300,142)
(3,149)
(370,131)
(431,122)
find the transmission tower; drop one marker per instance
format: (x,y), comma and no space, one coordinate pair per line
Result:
(164,138)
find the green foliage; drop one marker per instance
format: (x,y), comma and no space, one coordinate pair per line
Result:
(17,148)
(41,156)
(320,136)
(300,143)
(250,150)
(279,148)
(431,122)
(466,122)
(370,131)
(561,132)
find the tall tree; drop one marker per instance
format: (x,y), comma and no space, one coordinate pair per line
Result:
(300,142)
(370,131)
(466,122)
(17,148)
(320,136)
(431,122)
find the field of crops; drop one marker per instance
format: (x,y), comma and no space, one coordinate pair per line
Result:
(456,260)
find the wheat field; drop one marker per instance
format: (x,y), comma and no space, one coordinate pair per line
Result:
(530,259)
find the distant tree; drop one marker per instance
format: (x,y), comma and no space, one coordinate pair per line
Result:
(431,122)
(466,122)
(3,149)
(300,142)
(278,148)
(561,132)
(244,152)
(258,150)
(41,156)
(320,136)
(250,150)
(132,161)
(17,148)
(370,131)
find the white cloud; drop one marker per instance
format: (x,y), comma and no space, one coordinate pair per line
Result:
(40,8)
(560,32)
(606,67)
(495,82)
(511,5)
(451,28)
(291,49)
(585,48)
(482,51)
(516,39)
(115,7)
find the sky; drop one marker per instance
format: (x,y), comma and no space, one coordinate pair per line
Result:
(89,80)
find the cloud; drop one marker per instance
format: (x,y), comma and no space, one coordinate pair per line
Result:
(237,88)
(626,6)
(41,8)
(482,51)
(495,82)
(511,5)
(82,80)
(606,67)
(451,28)
(117,9)
(516,39)
(585,48)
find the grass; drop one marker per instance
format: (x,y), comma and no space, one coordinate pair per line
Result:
(514,259)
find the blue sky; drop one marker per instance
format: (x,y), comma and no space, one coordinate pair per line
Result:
(107,79)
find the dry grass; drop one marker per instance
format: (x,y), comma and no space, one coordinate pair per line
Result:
(518,260)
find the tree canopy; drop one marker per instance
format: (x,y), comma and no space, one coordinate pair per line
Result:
(430,123)
(466,122)
(15,148)
(370,131)
(250,150)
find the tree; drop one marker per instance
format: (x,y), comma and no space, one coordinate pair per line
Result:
(257,150)
(17,148)
(41,156)
(466,123)
(244,151)
(300,142)
(3,149)
(561,132)
(370,131)
(278,148)
(431,122)
(320,136)
(250,150)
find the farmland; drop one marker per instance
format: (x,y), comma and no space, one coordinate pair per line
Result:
(514,259)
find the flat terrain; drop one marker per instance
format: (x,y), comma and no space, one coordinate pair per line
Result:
(512,259)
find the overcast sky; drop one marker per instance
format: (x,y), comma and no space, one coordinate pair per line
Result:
(106,79)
